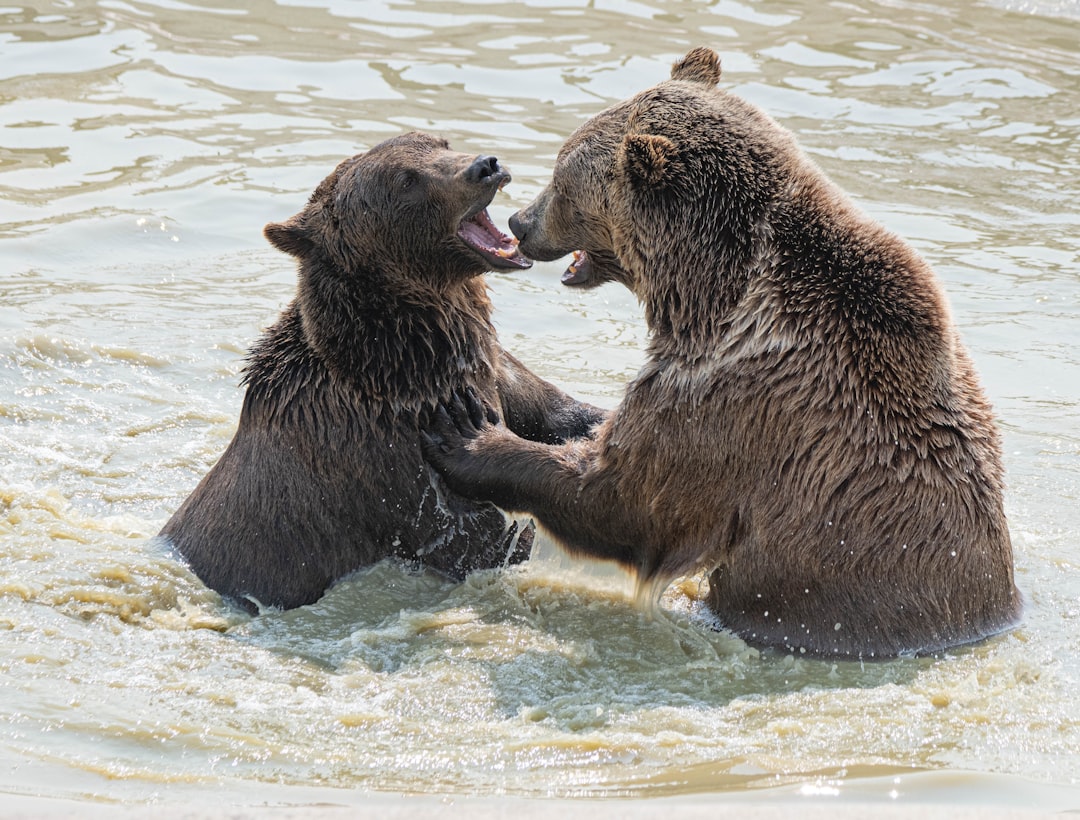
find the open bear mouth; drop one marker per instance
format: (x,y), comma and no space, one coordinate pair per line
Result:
(499,250)
(580,271)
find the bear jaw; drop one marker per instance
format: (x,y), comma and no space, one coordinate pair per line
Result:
(498,250)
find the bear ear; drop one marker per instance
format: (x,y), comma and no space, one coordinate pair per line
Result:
(288,236)
(702,65)
(648,158)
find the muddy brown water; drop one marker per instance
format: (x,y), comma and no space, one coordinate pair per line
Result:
(143,145)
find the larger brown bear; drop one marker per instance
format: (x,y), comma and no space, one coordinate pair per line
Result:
(807,428)
(325,473)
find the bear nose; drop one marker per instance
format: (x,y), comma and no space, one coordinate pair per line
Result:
(518,227)
(486,169)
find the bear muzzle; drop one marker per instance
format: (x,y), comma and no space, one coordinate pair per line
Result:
(476,228)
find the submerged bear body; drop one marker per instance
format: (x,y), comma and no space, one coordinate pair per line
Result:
(325,473)
(808,428)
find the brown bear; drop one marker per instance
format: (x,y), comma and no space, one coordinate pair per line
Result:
(807,428)
(325,473)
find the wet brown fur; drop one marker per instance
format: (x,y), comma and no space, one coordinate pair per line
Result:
(807,428)
(325,473)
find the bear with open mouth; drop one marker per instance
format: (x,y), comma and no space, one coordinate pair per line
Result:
(807,429)
(391,316)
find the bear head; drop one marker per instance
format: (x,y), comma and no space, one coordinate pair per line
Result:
(673,179)
(408,207)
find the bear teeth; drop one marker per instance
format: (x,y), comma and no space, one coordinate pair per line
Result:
(480,234)
(579,271)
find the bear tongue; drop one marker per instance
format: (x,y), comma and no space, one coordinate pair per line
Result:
(480,234)
(580,270)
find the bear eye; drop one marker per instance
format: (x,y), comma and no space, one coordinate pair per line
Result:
(406,181)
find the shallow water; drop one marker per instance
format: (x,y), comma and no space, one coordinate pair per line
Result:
(142,147)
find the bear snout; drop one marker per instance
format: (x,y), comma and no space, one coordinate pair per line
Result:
(486,170)
(533,241)
(518,226)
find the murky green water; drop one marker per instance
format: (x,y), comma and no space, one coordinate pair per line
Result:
(142,147)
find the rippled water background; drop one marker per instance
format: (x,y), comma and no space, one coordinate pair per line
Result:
(144,144)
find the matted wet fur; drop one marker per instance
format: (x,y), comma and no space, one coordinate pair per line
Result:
(325,474)
(808,428)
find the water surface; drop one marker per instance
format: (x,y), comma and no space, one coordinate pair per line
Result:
(143,145)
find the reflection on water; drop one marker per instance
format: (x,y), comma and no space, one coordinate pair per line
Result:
(142,147)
